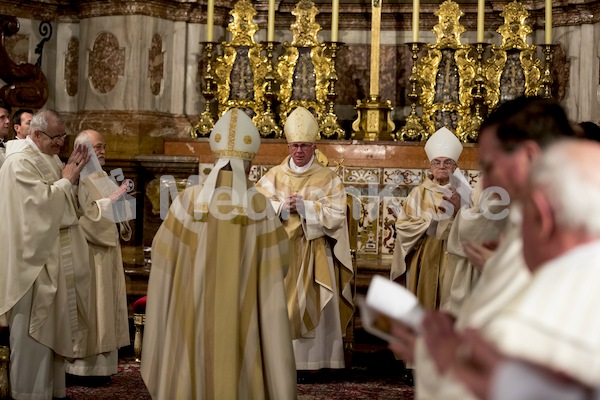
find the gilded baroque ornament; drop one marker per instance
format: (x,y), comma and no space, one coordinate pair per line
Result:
(302,69)
(514,69)
(240,71)
(446,73)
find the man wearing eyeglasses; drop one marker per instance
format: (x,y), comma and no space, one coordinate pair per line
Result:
(423,226)
(310,199)
(44,268)
(108,325)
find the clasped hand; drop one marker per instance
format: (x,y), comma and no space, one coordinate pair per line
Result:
(293,204)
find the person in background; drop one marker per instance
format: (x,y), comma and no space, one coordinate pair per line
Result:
(423,226)
(216,321)
(310,200)
(5,111)
(21,121)
(108,317)
(510,139)
(546,343)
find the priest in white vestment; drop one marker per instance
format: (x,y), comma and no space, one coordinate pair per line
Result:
(310,200)
(44,268)
(509,140)
(549,333)
(425,221)
(108,317)
(216,318)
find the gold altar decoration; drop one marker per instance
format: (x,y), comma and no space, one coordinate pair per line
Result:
(374,120)
(513,70)
(412,129)
(303,68)
(240,70)
(446,74)
(206,122)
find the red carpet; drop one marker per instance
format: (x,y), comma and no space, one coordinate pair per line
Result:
(373,377)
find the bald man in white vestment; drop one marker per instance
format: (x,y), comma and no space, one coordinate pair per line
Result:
(44,268)
(108,317)
(216,318)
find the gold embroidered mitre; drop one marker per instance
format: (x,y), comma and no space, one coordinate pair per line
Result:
(233,139)
(301,126)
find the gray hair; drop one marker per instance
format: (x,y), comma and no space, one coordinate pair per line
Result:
(572,192)
(42,118)
(82,137)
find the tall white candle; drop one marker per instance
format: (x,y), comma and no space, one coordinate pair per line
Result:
(548,21)
(210,17)
(335,11)
(415,31)
(271,22)
(480,19)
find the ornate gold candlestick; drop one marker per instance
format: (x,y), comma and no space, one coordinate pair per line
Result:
(546,80)
(330,128)
(413,129)
(206,122)
(265,122)
(478,93)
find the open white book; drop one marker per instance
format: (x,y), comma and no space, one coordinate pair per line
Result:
(386,302)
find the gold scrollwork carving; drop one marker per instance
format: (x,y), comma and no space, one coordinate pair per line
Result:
(303,68)
(446,73)
(240,71)
(513,69)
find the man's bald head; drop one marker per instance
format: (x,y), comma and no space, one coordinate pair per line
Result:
(96,139)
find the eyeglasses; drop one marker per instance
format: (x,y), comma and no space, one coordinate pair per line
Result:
(300,146)
(55,139)
(446,163)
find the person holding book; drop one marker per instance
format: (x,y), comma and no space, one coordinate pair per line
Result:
(546,343)
(510,140)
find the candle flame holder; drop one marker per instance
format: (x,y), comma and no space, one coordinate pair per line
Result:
(546,79)
(206,122)
(265,121)
(413,129)
(330,127)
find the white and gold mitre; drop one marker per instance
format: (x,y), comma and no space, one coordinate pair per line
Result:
(301,126)
(234,136)
(443,143)
(233,139)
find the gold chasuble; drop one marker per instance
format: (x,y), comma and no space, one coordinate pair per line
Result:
(421,239)
(309,285)
(216,321)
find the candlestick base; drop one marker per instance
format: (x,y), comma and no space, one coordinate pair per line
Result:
(330,128)
(206,122)
(374,120)
(413,129)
